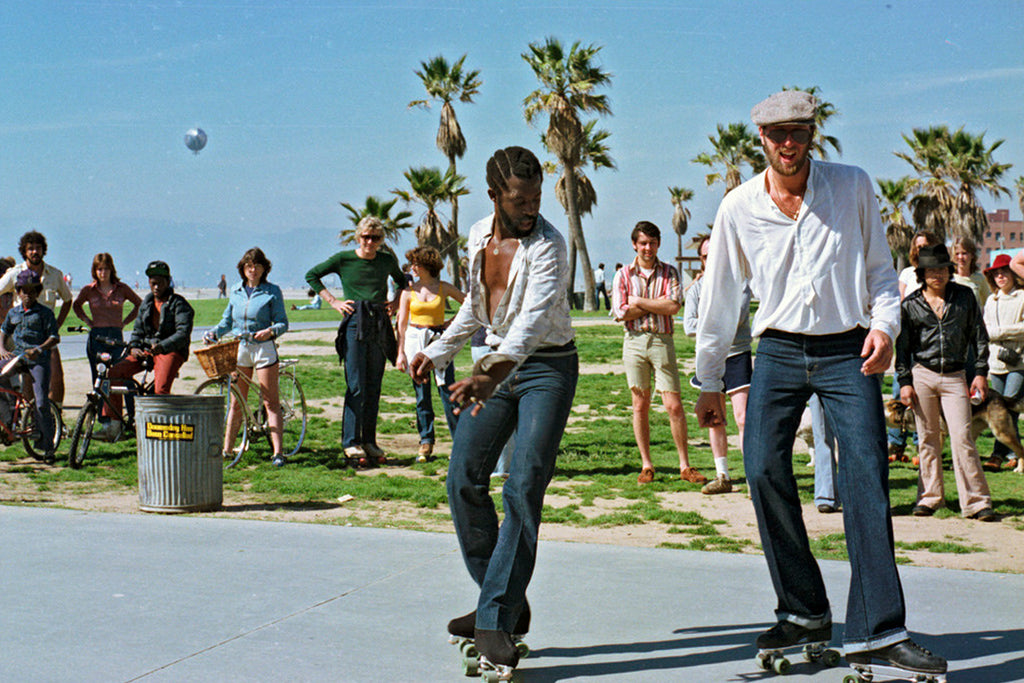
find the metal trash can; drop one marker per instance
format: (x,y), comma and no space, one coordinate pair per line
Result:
(181,467)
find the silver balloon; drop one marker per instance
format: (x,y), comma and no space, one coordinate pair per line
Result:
(195,140)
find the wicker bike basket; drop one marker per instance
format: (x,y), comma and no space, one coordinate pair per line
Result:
(219,359)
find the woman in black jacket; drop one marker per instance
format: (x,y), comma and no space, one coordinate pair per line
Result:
(940,321)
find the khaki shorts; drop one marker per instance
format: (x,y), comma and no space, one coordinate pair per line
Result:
(646,353)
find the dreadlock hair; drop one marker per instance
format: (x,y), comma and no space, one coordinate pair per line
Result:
(511,161)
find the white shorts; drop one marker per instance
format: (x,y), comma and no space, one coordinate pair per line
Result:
(254,354)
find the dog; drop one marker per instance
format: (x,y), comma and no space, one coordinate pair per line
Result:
(992,413)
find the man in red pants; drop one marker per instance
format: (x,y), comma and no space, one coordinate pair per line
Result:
(163,330)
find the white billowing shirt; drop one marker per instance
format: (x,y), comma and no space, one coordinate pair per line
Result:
(829,271)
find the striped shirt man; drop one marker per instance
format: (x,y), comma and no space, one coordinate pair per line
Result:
(661,282)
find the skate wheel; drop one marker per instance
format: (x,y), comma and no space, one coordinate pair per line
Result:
(811,653)
(490,676)
(852,678)
(522,649)
(764,662)
(781,666)
(830,658)
(468,649)
(470,667)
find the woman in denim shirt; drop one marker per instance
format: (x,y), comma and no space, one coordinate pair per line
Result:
(256,314)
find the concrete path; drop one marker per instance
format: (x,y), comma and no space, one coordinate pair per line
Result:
(108,597)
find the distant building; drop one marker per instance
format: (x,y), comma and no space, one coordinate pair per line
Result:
(1003,235)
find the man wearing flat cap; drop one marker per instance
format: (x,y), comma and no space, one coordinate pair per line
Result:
(807,237)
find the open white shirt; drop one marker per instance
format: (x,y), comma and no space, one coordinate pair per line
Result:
(828,271)
(534,310)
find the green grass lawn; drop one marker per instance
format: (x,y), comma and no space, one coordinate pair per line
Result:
(598,458)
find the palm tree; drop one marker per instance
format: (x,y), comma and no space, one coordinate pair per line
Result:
(953,167)
(596,153)
(1019,183)
(735,146)
(444,82)
(892,199)
(374,206)
(568,81)
(680,215)
(429,187)
(823,111)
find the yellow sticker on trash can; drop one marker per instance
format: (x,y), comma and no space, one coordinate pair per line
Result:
(166,432)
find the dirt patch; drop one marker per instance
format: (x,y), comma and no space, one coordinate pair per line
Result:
(1001,544)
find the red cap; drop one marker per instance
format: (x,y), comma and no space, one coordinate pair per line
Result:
(1000,261)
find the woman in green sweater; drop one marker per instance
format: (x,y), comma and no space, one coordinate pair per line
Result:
(365,336)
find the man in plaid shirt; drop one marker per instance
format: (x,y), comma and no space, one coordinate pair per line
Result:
(645,296)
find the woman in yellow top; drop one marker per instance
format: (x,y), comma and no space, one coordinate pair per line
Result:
(420,321)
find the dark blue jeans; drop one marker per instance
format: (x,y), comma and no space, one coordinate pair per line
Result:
(425,406)
(364,372)
(788,370)
(535,400)
(40,373)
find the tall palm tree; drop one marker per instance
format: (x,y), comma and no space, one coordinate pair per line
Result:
(823,111)
(374,206)
(735,146)
(680,215)
(953,167)
(429,187)
(568,83)
(596,153)
(444,82)
(1019,184)
(892,199)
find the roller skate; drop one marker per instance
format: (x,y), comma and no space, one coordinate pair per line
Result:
(462,632)
(499,655)
(904,661)
(786,636)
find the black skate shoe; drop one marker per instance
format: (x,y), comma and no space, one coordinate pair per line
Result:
(773,644)
(906,655)
(463,627)
(788,634)
(496,648)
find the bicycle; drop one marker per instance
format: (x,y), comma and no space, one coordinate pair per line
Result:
(102,390)
(218,360)
(22,423)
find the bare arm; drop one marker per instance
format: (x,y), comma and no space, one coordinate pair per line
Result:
(402,328)
(1017,263)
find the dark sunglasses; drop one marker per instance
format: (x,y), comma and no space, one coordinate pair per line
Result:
(800,136)
(371,238)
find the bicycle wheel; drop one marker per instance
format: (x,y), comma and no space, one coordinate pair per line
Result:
(293,412)
(29,430)
(81,435)
(58,425)
(221,386)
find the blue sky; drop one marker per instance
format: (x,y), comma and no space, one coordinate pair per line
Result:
(305,107)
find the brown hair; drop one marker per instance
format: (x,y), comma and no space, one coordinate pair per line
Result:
(427,257)
(968,245)
(104,259)
(254,255)
(914,248)
(990,277)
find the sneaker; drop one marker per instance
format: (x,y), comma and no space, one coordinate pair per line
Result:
(905,655)
(426,450)
(993,464)
(693,476)
(720,484)
(827,509)
(355,452)
(375,453)
(786,634)
(915,461)
(278,460)
(896,453)
(49,457)
(110,431)
(984,515)
(646,476)
(922,511)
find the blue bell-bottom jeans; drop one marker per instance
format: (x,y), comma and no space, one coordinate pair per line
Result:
(534,401)
(788,370)
(425,405)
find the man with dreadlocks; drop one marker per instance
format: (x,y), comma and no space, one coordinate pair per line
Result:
(519,276)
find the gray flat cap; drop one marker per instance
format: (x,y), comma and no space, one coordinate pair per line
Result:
(788,106)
